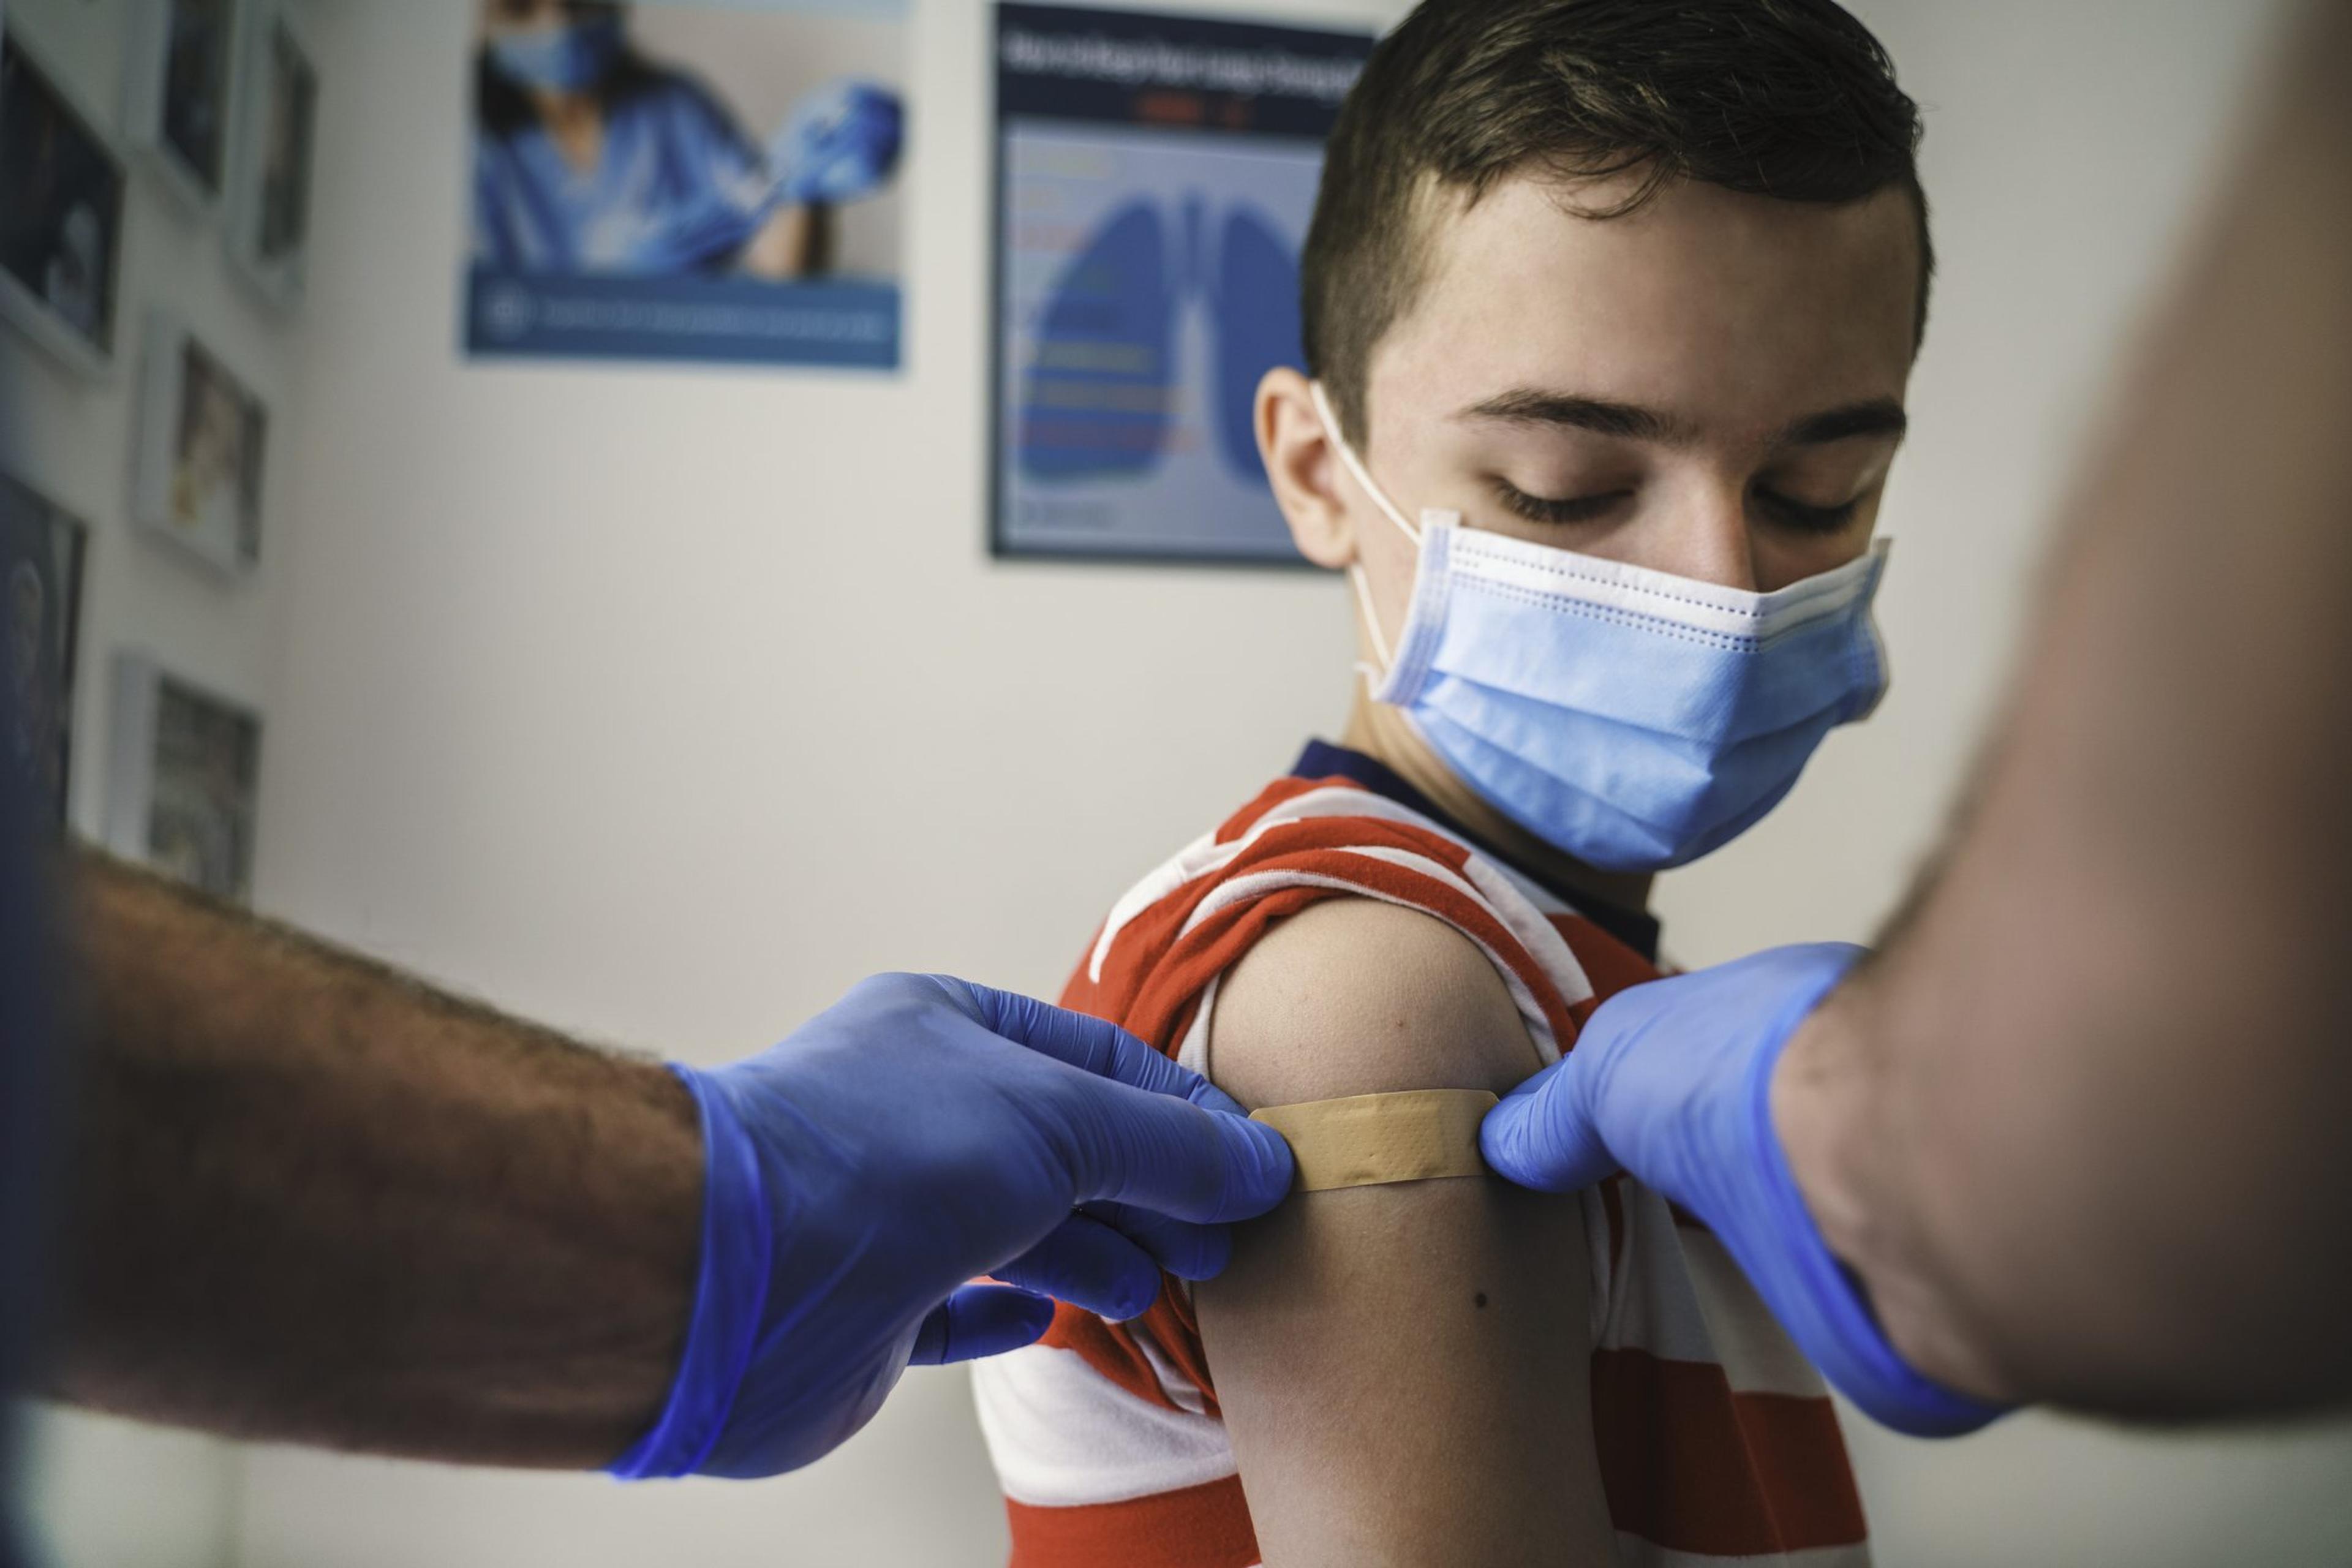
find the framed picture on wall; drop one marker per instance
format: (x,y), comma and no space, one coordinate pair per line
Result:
(61,185)
(196,474)
(184,779)
(179,67)
(269,207)
(1155,176)
(41,552)
(712,182)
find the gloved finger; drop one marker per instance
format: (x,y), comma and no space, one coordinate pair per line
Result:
(1086,1043)
(1541,1135)
(981,1321)
(1088,1264)
(1119,1143)
(1186,1250)
(1201,1160)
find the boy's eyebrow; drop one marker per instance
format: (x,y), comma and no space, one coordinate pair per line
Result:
(1630,421)
(1533,405)
(1872,416)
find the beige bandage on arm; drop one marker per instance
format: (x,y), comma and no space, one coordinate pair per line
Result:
(1367,1140)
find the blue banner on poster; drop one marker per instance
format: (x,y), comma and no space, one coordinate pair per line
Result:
(1155,178)
(724,320)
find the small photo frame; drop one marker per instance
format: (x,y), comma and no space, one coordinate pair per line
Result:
(185,780)
(176,99)
(196,475)
(61,193)
(270,209)
(41,554)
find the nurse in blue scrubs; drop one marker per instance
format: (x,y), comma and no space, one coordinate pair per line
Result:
(589,157)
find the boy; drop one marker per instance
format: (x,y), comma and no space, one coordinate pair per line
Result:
(1610,307)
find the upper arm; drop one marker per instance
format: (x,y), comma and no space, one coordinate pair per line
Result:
(1404,1370)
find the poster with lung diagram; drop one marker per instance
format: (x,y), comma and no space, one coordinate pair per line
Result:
(1155,177)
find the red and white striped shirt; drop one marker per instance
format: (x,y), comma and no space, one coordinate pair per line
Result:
(1716,1441)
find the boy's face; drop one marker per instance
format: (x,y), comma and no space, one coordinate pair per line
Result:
(1711,385)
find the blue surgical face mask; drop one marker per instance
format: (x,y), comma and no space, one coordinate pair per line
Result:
(569,57)
(1633,719)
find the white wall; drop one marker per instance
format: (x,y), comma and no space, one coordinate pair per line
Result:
(667,702)
(663,702)
(108,1492)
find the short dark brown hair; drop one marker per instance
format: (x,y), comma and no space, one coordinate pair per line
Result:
(1791,99)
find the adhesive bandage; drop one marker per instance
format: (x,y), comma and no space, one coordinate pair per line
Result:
(1368,1139)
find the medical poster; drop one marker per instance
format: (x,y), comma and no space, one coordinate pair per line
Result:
(700,181)
(1155,177)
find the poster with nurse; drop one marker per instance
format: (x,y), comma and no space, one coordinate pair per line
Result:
(712,182)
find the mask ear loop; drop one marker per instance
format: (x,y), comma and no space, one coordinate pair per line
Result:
(1372,675)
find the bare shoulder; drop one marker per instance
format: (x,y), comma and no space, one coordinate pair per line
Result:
(1405,1368)
(1356,996)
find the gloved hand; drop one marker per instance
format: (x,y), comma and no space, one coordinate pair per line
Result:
(919,1133)
(1672,1082)
(841,142)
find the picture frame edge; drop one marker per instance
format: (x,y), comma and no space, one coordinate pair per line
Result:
(72,662)
(153,423)
(139,678)
(33,318)
(281,289)
(144,100)
(135,682)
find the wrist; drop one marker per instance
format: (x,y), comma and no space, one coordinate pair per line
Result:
(724,1319)
(1825,1124)
(1822,1104)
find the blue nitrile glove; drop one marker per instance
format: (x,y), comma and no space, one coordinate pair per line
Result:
(919,1133)
(841,142)
(1672,1082)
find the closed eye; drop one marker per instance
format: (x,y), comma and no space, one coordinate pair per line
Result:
(1805,517)
(1555,508)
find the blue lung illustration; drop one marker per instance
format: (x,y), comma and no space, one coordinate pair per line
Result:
(1096,399)
(1257,329)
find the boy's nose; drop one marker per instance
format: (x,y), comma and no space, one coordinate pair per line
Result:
(1706,539)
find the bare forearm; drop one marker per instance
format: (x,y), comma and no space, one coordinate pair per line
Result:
(2081,1127)
(315,1201)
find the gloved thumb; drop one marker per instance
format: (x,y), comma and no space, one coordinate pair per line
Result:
(981,1321)
(1541,1134)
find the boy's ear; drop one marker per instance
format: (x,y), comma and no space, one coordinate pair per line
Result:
(1303,468)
